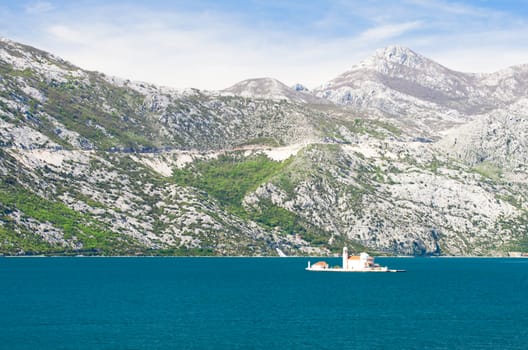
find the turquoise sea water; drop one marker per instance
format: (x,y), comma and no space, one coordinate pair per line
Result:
(261,303)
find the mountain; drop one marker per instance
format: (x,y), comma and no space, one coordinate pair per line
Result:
(92,164)
(269,88)
(418,93)
(499,138)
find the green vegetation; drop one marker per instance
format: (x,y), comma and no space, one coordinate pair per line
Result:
(516,202)
(181,251)
(72,103)
(82,106)
(77,227)
(519,225)
(388,127)
(435,165)
(338,129)
(488,170)
(522,244)
(374,128)
(229,178)
(263,141)
(271,216)
(15,239)
(119,119)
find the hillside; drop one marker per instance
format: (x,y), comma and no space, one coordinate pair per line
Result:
(419,94)
(272,89)
(92,164)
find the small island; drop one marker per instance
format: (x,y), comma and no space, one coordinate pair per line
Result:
(355,263)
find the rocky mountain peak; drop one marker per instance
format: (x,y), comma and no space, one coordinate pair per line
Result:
(259,87)
(391,59)
(273,89)
(398,54)
(418,92)
(119,167)
(49,66)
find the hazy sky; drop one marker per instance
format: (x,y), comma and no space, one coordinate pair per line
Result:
(210,44)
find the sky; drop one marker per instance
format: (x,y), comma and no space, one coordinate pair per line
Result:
(213,44)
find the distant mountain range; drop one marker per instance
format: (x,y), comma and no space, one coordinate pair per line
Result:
(398,155)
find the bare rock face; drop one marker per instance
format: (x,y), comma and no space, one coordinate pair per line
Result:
(499,138)
(272,89)
(399,199)
(419,93)
(398,155)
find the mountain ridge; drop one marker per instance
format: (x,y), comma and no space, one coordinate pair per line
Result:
(93,164)
(416,92)
(270,88)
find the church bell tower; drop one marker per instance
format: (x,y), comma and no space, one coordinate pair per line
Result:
(345,258)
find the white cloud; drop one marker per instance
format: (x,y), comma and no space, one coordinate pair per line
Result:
(212,50)
(39,7)
(389,31)
(65,34)
(454,8)
(485,51)
(489,60)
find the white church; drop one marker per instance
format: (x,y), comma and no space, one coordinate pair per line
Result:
(355,263)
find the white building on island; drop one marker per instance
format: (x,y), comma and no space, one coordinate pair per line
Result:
(320,265)
(355,263)
(363,261)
